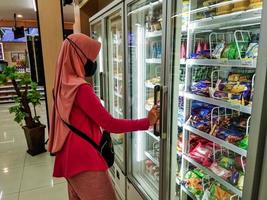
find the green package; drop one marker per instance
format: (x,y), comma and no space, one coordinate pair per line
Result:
(243,144)
(226,162)
(233,52)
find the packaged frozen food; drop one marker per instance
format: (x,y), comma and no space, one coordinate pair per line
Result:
(201,88)
(217,192)
(234,178)
(252,51)
(219,171)
(202,154)
(232,52)
(241,6)
(218,50)
(226,162)
(230,136)
(255,4)
(224,9)
(194,182)
(243,143)
(240,182)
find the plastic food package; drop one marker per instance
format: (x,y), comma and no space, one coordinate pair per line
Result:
(233,52)
(240,182)
(241,6)
(255,4)
(202,154)
(218,50)
(226,162)
(223,173)
(235,177)
(194,182)
(252,51)
(243,143)
(230,136)
(218,193)
(201,88)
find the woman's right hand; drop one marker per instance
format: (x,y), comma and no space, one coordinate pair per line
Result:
(153,115)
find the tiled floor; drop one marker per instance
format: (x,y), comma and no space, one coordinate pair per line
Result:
(23,177)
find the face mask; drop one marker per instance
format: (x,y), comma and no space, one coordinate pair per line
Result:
(90,66)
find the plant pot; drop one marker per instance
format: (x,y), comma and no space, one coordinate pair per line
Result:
(35,138)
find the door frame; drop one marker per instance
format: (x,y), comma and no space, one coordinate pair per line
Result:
(163,142)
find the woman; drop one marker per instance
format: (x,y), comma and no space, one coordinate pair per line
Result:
(76,103)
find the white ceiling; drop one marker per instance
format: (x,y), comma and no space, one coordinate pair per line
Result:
(25,8)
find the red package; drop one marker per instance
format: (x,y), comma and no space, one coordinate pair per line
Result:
(202,154)
(223,173)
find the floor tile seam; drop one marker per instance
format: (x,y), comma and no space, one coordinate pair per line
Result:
(40,187)
(22,174)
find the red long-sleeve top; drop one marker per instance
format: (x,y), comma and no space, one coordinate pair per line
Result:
(88,115)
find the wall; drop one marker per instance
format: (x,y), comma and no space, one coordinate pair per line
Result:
(13,47)
(50,20)
(29,23)
(87,10)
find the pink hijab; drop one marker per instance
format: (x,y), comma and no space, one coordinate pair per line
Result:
(69,76)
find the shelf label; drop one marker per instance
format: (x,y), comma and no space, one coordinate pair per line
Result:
(247,63)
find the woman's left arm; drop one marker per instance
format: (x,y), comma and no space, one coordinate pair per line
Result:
(87,100)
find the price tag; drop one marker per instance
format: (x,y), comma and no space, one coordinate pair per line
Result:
(222,62)
(236,107)
(247,63)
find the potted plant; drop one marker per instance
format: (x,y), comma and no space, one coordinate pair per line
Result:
(26,100)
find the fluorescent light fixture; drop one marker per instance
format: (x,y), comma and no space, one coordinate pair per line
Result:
(101,68)
(140,87)
(34,5)
(19,16)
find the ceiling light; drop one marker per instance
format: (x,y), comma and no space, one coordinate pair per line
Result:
(19,16)
(34,5)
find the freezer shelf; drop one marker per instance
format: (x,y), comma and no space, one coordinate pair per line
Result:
(225,104)
(153,60)
(213,175)
(150,132)
(188,193)
(232,20)
(118,94)
(223,63)
(209,137)
(153,34)
(152,158)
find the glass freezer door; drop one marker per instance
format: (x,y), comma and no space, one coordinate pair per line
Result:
(215,44)
(97,34)
(144,34)
(116,79)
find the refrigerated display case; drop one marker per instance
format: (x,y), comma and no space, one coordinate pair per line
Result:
(108,25)
(144,69)
(116,78)
(218,44)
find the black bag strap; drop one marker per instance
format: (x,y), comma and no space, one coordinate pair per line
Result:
(77,131)
(82,135)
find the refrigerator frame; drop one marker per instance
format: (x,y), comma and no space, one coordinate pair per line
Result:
(163,178)
(102,16)
(256,148)
(118,9)
(257,137)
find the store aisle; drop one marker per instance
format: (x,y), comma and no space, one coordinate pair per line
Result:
(23,177)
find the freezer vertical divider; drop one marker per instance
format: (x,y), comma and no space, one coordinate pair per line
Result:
(257,137)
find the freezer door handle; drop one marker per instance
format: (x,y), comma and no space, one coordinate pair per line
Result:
(157,91)
(101,77)
(163,112)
